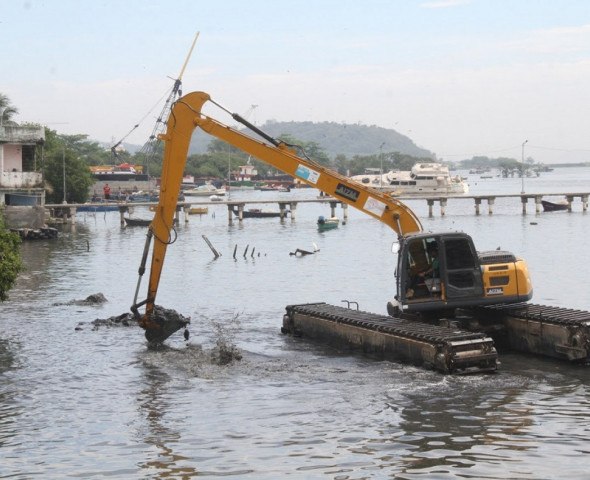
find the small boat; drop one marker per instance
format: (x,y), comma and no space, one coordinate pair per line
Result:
(204,191)
(554,206)
(142,196)
(215,198)
(198,210)
(257,213)
(137,222)
(106,207)
(327,223)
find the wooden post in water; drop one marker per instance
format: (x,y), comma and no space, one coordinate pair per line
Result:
(344,213)
(177,214)
(491,201)
(230,218)
(570,199)
(443,205)
(523,199)
(477,204)
(293,207)
(584,199)
(333,209)
(538,199)
(282,210)
(430,205)
(185,209)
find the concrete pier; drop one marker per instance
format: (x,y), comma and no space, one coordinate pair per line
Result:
(290,206)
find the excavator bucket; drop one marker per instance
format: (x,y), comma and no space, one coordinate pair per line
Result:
(162,323)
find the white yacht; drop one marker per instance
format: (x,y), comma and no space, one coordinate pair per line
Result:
(423,179)
(204,191)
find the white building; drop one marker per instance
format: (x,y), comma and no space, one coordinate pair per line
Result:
(21,179)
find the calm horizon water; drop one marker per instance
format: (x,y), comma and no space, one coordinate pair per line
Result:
(84,402)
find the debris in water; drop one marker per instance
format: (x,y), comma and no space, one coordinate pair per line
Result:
(170,321)
(94,299)
(301,253)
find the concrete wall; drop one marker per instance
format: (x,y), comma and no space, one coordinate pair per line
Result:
(13,158)
(24,217)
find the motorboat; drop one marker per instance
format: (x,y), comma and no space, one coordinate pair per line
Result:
(327,223)
(100,207)
(422,179)
(137,222)
(205,190)
(554,206)
(198,210)
(258,213)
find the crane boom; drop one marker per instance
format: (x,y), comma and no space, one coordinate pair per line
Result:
(186,115)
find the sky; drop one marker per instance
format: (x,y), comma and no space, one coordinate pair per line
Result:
(459,77)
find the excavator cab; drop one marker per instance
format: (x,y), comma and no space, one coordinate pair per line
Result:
(438,271)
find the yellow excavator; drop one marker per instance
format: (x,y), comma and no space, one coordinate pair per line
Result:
(436,272)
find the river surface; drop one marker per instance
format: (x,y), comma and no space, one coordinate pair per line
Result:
(98,403)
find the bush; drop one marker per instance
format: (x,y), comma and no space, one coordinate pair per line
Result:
(10,260)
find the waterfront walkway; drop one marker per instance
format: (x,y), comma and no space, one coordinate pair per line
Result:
(290,206)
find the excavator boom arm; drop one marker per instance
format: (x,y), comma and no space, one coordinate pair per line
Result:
(281,156)
(185,116)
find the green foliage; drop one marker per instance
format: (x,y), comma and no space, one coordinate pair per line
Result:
(63,157)
(10,260)
(309,149)
(9,110)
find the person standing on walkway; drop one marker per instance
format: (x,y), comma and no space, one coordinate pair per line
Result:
(107,191)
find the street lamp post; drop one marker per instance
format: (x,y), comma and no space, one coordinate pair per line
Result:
(522,167)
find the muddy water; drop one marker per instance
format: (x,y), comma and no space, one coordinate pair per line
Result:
(98,403)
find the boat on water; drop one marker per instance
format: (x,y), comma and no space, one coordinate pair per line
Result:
(198,210)
(137,222)
(554,206)
(98,207)
(422,179)
(205,190)
(327,223)
(142,196)
(257,213)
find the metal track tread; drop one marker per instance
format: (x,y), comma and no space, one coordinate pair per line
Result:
(457,351)
(543,313)
(544,330)
(385,323)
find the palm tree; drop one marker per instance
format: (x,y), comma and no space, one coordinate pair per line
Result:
(6,109)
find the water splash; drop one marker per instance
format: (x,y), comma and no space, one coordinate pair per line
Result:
(225,350)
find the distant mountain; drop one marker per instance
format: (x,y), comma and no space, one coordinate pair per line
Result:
(334,138)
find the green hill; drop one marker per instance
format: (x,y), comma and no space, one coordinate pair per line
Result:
(334,138)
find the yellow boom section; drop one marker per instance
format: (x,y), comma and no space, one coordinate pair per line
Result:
(186,115)
(370,201)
